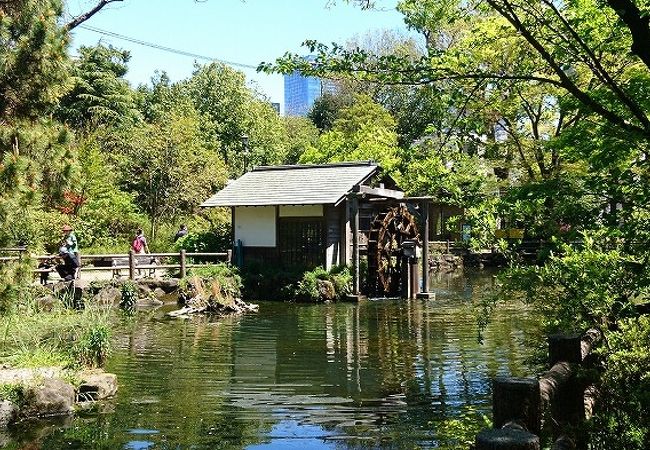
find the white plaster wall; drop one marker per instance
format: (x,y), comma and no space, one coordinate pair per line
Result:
(255,225)
(301,210)
(332,254)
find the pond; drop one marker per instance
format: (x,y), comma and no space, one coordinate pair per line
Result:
(378,374)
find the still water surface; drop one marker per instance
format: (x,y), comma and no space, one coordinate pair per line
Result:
(378,374)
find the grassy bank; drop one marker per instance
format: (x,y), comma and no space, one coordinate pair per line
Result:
(38,329)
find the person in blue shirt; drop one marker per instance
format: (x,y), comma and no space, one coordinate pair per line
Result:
(70,242)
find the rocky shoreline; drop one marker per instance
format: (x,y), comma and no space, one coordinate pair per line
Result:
(149,292)
(48,392)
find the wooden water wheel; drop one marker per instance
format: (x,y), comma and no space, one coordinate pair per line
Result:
(388,231)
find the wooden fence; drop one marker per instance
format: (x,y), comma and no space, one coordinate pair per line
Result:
(519,405)
(447,246)
(128,261)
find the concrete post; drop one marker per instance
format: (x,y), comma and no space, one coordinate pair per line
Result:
(517,400)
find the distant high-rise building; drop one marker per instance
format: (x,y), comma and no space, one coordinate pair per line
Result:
(301,92)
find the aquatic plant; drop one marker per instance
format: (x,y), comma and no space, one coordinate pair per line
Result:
(128,298)
(93,346)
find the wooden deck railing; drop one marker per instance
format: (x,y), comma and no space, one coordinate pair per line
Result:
(519,404)
(128,261)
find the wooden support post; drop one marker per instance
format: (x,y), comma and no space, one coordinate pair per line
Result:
(414,287)
(404,277)
(183,264)
(424,293)
(131,265)
(425,247)
(508,438)
(517,400)
(354,204)
(229,256)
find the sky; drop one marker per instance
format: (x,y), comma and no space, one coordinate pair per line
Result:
(245,32)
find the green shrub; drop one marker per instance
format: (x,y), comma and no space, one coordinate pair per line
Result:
(12,392)
(209,231)
(208,241)
(341,276)
(622,418)
(308,287)
(274,283)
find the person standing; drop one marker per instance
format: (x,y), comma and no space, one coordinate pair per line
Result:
(139,247)
(139,244)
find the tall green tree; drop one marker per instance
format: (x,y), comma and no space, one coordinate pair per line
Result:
(363,131)
(100,94)
(36,156)
(105,215)
(34,64)
(326,109)
(167,166)
(230,110)
(301,134)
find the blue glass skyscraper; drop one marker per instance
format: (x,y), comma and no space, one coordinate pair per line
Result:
(300,93)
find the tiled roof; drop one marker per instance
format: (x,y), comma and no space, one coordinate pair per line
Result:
(293,185)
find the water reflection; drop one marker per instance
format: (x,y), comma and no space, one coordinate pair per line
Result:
(380,373)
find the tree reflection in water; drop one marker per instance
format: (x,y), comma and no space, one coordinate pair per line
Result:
(379,373)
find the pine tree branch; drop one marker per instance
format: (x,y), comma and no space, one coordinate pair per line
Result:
(87,15)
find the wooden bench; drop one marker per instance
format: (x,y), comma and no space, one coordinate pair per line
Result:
(140,260)
(116,263)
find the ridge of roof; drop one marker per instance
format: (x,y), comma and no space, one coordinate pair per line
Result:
(315,166)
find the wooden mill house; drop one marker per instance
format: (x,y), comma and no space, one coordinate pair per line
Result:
(315,215)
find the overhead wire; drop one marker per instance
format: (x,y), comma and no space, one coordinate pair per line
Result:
(164,48)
